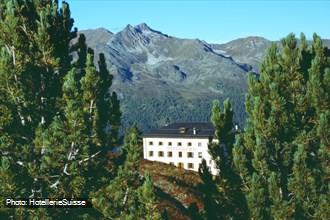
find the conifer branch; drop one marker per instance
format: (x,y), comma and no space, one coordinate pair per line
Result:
(54,185)
(125,197)
(88,158)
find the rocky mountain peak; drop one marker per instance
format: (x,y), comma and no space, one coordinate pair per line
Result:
(128,27)
(140,28)
(143,27)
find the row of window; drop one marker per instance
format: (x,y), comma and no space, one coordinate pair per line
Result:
(181,165)
(179,144)
(170,154)
(189,165)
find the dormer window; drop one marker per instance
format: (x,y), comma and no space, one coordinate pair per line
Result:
(182,130)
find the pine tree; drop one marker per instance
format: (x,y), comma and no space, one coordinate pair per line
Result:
(63,157)
(148,198)
(128,196)
(109,107)
(233,204)
(81,48)
(54,114)
(120,198)
(211,197)
(283,155)
(33,63)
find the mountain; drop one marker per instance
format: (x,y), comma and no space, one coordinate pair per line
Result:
(161,79)
(97,37)
(248,50)
(327,42)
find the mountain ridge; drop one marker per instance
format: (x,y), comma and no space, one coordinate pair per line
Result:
(161,78)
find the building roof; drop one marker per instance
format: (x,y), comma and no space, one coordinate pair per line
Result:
(183,130)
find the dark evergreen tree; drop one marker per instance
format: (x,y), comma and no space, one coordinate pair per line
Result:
(194,212)
(233,204)
(283,154)
(147,197)
(211,197)
(109,106)
(33,62)
(119,199)
(53,116)
(81,48)
(128,196)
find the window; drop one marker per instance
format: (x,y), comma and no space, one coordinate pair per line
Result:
(169,143)
(189,144)
(160,143)
(182,130)
(171,163)
(179,144)
(151,153)
(190,166)
(190,154)
(180,165)
(199,144)
(180,154)
(200,154)
(151,143)
(160,153)
(169,154)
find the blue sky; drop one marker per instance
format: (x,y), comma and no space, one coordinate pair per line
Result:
(215,21)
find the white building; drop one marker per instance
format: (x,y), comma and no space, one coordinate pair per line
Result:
(181,144)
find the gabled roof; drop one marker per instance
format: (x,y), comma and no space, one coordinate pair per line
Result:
(183,130)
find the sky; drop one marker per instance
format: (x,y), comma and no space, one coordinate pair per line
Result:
(215,21)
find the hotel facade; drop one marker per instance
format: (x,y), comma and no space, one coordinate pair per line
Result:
(181,144)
